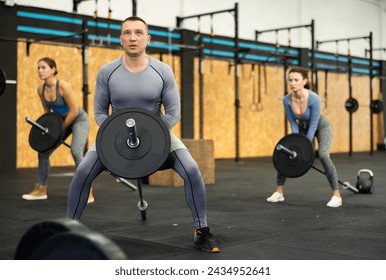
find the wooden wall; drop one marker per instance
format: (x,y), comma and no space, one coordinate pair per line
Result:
(259,129)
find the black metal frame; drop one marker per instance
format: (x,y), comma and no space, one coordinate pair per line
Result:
(313,67)
(236,74)
(371,76)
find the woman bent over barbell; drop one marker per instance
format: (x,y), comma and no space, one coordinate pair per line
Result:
(302,108)
(56,96)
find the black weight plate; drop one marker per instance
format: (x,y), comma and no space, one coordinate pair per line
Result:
(133,163)
(83,245)
(298,166)
(3,81)
(376,106)
(42,142)
(351,105)
(41,232)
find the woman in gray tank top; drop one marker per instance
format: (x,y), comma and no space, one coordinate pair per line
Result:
(57,96)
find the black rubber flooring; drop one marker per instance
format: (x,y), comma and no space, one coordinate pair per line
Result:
(244,224)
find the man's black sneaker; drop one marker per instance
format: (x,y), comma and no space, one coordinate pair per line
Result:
(203,239)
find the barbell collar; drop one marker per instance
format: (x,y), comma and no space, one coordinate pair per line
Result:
(132,140)
(292,154)
(43,129)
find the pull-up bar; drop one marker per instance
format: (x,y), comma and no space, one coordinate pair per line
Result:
(375,50)
(181,19)
(257,32)
(340,40)
(235,11)
(310,26)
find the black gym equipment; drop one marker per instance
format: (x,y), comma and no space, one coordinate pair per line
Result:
(66,239)
(236,62)
(294,155)
(376,106)
(133,143)
(351,103)
(365,181)
(47,133)
(4,81)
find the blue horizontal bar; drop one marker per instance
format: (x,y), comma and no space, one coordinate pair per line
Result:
(49,17)
(331,57)
(360,61)
(103,25)
(97,38)
(164,46)
(46,31)
(219,53)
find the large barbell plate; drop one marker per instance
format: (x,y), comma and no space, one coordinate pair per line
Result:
(84,245)
(41,232)
(351,105)
(133,163)
(294,167)
(376,106)
(42,142)
(3,81)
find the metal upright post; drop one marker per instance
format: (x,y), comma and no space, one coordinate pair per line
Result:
(134,7)
(371,92)
(236,74)
(85,88)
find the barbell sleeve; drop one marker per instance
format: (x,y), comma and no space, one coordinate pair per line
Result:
(43,129)
(287,151)
(133,140)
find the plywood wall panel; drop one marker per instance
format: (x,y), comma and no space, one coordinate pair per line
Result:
(259,130)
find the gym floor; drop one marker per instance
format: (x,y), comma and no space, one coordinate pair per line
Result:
(244,224)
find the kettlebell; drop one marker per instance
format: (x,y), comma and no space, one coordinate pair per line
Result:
(365,180)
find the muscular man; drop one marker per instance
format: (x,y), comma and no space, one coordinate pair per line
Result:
(137,80)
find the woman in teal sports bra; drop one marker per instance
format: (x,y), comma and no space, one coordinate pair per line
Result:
(57,96)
